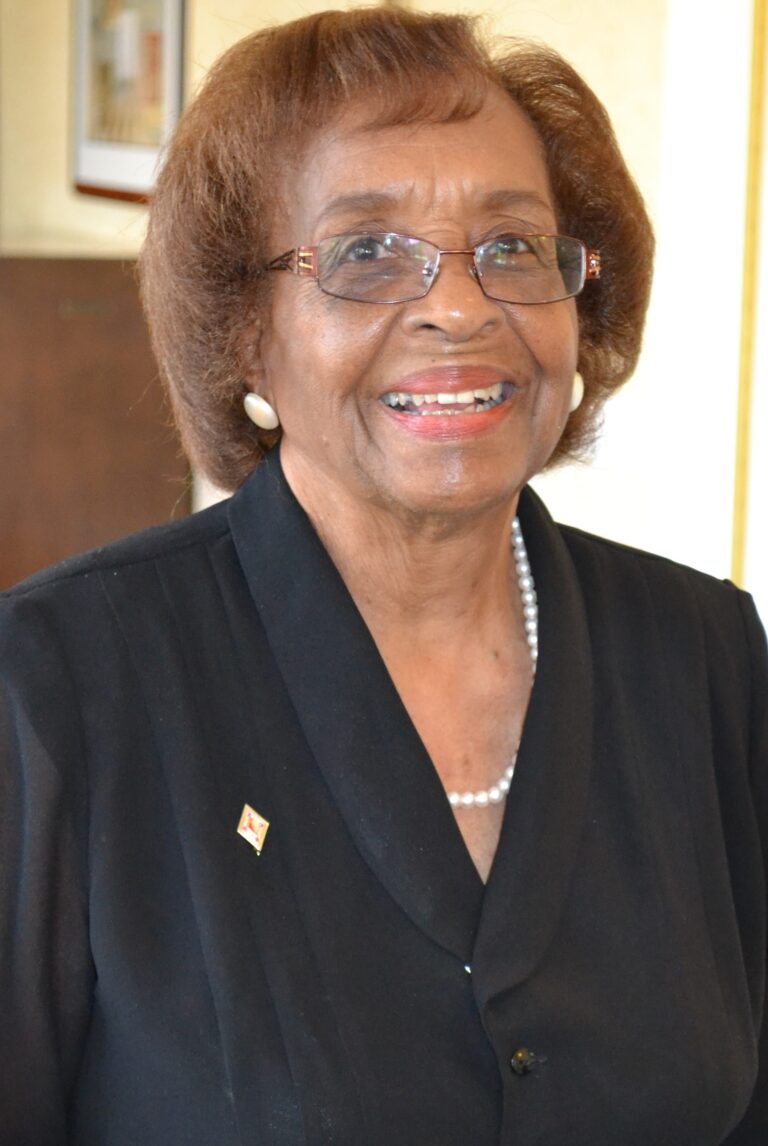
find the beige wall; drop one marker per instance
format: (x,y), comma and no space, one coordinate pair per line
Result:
(620,54)
(617,45)
(39,210)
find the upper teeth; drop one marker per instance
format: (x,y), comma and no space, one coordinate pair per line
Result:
(464,397)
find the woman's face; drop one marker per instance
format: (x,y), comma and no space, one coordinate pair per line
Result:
(330,366)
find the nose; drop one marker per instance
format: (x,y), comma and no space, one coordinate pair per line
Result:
(455,305)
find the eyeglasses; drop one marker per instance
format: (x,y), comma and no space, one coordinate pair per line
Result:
(384,267)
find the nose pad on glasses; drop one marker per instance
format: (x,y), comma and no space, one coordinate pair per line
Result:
(469,264)
(456,308)
(469,267)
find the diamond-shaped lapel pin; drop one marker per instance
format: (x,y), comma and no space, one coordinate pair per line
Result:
(253,828)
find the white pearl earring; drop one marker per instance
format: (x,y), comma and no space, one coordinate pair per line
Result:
(577,392)
(260,412)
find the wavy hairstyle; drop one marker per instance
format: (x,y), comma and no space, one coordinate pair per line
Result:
(205,293)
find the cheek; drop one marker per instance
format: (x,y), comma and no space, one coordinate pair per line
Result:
(290,344)
(320,350)
(338,326)
(338,340)
(551,335)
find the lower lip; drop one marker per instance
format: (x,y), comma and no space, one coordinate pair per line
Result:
(450,426)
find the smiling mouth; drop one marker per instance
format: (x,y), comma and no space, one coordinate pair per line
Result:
(441,404)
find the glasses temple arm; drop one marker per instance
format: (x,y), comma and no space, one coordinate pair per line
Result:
(300,261)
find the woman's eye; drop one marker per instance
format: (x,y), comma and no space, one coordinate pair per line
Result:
(513,245)
(363,249)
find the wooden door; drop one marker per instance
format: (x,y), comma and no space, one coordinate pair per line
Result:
(87,452)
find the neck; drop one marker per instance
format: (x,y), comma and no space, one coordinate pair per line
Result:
(442,577)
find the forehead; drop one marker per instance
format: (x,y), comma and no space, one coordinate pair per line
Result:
(351,172)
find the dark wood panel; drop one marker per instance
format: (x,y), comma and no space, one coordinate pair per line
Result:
(87,451)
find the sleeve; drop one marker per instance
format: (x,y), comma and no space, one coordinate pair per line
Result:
(753,1129)
(46,973)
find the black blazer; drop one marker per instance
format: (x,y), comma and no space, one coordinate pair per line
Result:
(356,983)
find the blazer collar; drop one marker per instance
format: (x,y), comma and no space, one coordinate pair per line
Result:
(546,805)
(373,761)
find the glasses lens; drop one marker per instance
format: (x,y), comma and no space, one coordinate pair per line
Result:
(379,267)
(531,268)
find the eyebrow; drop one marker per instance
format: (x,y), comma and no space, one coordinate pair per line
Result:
(372,202)
(360,202)
(500,200)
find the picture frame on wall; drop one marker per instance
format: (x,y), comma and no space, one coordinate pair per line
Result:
(128,65)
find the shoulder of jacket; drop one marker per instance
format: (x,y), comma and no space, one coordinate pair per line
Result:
(147,546)
(622,557)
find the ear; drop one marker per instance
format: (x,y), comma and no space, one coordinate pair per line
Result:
(250,363)
(255,382)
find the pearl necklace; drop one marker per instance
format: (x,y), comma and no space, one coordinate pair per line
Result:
(497,792)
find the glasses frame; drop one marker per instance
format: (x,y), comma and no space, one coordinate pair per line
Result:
(302,261)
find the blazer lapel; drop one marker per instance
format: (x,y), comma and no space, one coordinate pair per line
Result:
(546,803)
(371,757)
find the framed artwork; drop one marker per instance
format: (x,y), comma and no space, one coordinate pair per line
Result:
(127,92)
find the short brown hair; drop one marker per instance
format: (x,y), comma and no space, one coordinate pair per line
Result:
(204,289)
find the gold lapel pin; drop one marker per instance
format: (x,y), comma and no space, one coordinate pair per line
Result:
(253,828)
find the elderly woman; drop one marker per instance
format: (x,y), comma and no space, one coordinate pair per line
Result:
(371,806)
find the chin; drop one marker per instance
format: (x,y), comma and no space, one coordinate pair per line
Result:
(452,494)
